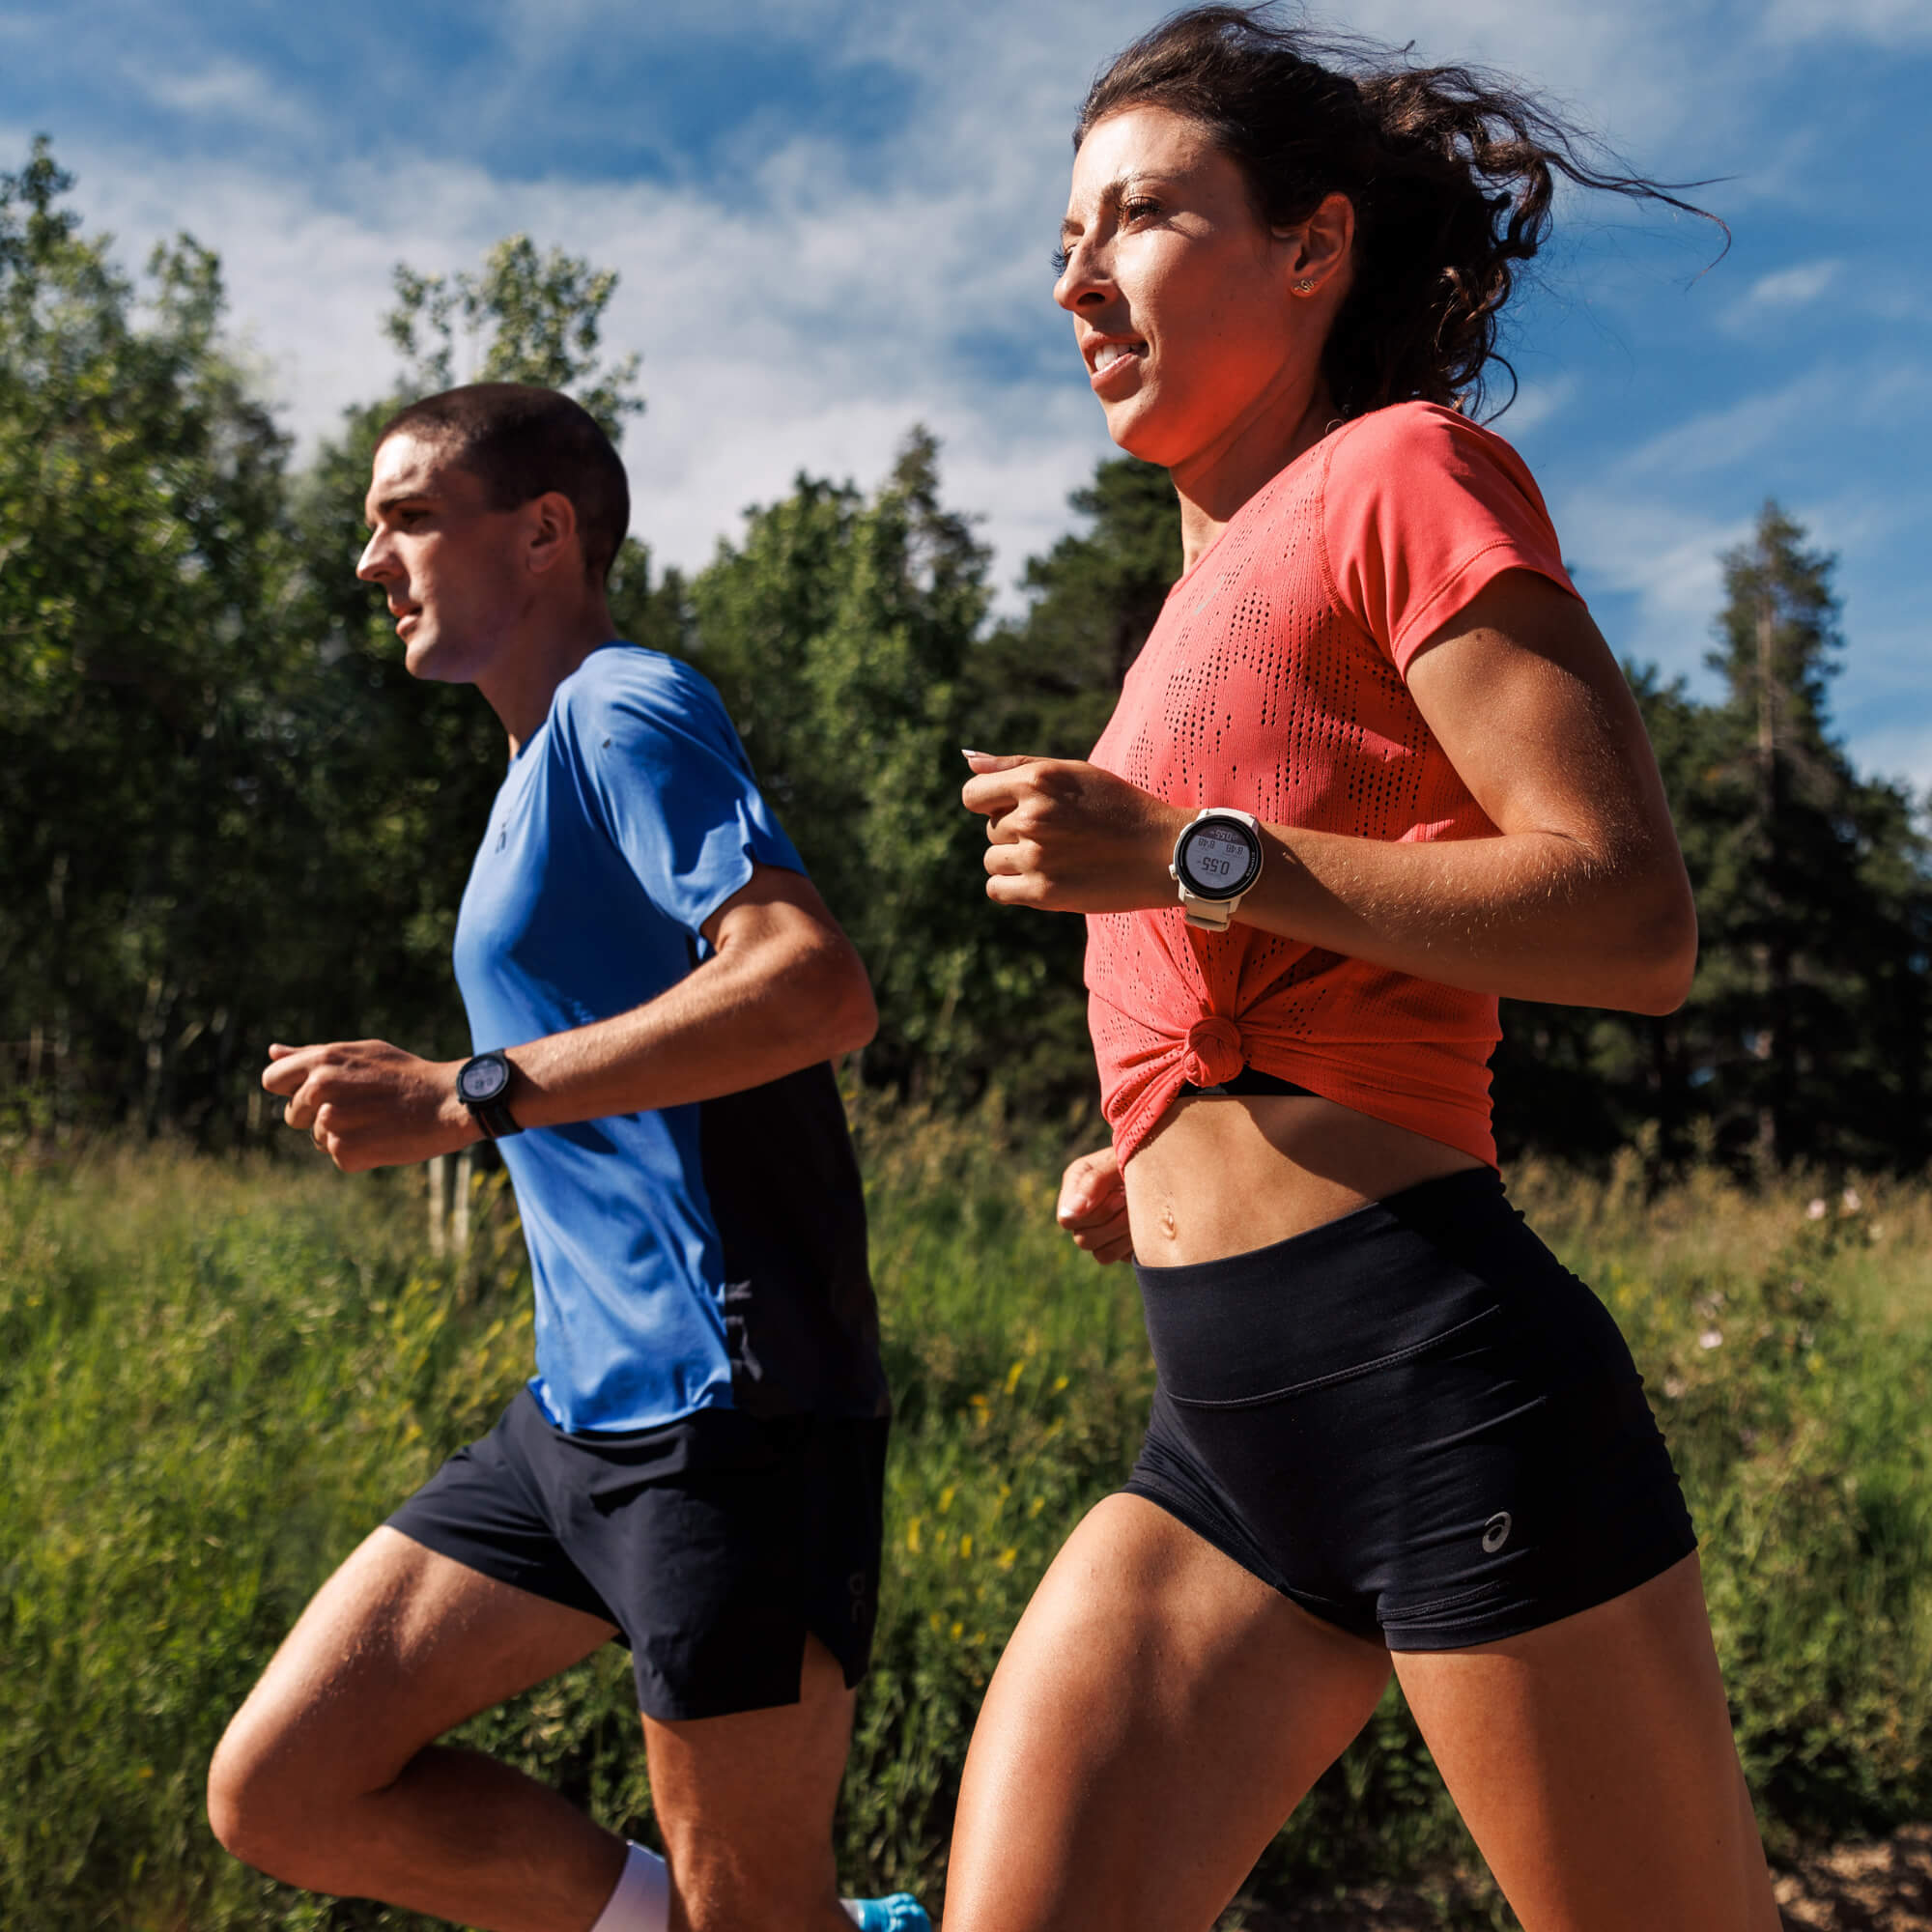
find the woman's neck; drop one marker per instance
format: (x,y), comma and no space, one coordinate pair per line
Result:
(1215,482)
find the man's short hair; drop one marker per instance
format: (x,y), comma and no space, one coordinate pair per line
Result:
(522,441)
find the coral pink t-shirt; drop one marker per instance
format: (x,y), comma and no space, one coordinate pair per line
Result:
(1275,682)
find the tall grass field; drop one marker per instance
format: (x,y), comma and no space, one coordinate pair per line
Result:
(216,1379)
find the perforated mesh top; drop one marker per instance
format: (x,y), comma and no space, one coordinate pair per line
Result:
(1273,682)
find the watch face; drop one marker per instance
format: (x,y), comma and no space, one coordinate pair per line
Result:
(481,1081)
(1218,860)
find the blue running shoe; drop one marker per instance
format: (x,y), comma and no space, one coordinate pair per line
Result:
(900,1913)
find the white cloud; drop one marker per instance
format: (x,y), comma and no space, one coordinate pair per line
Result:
(1901,753)
(808,329)
(804,312)
(1793,287)
(1723,439)
(1635,543)
(226,89)
(1536,404)
(1890,24)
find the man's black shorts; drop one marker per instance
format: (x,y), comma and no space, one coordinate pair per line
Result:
(714,1544)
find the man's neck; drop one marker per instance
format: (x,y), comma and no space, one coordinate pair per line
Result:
(521,683)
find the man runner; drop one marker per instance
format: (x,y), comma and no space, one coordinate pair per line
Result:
(654,990)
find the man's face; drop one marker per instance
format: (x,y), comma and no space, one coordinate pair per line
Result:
(452,567)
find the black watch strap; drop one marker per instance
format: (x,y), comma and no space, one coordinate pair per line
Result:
(495,1118)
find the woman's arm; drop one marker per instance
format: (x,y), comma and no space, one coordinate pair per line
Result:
(1581,898)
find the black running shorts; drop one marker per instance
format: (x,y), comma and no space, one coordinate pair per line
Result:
(1413,1421)
(714,1544)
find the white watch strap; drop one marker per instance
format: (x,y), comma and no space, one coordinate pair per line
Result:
(1209,914)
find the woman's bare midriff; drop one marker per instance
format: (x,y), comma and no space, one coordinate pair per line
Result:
(1225,1174)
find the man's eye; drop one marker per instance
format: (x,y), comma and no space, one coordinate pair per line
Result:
(1059,259)
(1139,209)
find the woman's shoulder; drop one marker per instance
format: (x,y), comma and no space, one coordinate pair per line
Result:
(1422,507)
(1416,438)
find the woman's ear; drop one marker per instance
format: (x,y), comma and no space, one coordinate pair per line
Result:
(1325,240)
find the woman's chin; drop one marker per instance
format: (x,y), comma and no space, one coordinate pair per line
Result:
(1138,430)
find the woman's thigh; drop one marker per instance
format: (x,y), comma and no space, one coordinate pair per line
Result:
(1592,1762)
(1157,1715)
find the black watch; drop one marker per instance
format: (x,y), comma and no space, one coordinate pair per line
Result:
(481,1084)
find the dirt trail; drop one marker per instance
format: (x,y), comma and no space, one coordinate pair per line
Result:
(1880,1887)
(1885,1887)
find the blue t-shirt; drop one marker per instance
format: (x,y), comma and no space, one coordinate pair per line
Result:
(625,821)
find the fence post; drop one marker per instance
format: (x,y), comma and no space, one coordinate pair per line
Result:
(436,1170)
(459,1215)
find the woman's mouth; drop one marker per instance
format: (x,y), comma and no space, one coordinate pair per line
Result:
(1114,365)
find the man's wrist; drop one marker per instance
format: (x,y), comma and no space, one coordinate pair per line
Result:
(485,1086)
(463,1127)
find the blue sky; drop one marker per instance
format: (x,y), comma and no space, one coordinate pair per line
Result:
(833,220)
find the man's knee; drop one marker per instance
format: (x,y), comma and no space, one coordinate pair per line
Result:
(253,1803)
(722,1894)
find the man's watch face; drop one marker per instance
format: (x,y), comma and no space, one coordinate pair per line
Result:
(482,1081)
(1219,860)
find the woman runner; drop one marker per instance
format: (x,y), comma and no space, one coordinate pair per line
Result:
(1390,1431)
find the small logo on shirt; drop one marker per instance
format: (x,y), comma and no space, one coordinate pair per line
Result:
(1496,1531)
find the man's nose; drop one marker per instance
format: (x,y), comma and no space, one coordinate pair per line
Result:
(375,561)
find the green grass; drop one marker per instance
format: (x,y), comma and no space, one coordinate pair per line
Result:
(213,1380)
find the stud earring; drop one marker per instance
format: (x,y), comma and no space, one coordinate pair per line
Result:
(1303,287)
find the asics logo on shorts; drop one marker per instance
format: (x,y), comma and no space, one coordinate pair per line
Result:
(1496,1531)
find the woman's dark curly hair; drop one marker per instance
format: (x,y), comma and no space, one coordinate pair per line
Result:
(1450,171)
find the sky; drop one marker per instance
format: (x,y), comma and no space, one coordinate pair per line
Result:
(832,221)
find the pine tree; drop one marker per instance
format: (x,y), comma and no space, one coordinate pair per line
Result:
(1052,678)
(1812,891)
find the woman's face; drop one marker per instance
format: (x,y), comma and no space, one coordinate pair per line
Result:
(1182,302)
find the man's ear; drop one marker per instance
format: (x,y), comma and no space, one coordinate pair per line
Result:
(552,534)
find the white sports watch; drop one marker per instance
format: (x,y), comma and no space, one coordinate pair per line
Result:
(1216,859)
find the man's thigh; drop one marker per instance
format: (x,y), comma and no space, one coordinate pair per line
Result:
(399,1646)
(745,1802)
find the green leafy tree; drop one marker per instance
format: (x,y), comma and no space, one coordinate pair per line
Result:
(1050,680)
(141,552)
(528,318)
(840,633)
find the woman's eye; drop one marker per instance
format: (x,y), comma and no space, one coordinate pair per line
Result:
(1139,211)
(1058,260)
